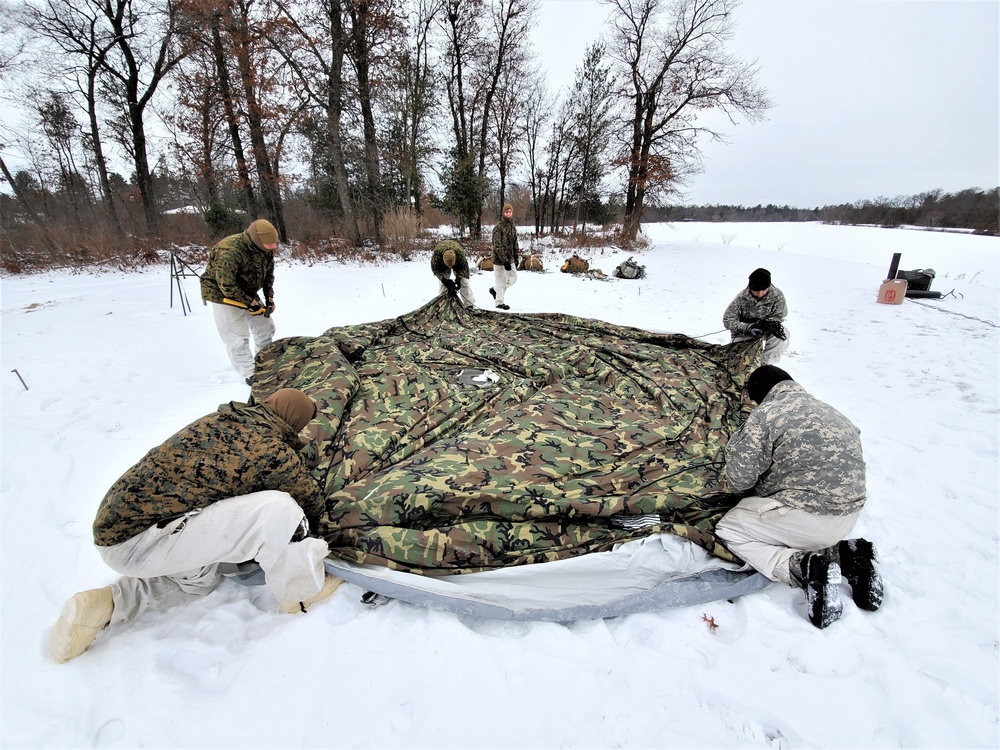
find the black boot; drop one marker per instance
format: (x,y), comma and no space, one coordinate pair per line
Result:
(820,576)
(857,561)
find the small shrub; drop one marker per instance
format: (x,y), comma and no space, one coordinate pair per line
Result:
(401,228)
(575,264)
(585,240)
(318,251)
(640,243)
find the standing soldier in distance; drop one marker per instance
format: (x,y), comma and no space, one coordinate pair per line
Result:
(505,255)
(448,258)
(239,266)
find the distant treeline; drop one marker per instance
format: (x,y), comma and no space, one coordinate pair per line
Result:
(972,209)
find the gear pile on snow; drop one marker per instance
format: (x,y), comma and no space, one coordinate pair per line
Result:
(530,262)
(575,264)
(630,270)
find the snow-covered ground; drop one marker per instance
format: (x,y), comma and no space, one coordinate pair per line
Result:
(111,370)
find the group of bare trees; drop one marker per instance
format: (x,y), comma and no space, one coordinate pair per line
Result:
(358,108)
(972,209)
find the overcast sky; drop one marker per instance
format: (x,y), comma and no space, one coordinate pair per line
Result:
(870,98)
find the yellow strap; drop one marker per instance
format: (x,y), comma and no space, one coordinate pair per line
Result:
(234,303)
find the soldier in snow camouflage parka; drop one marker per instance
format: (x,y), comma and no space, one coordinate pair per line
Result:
(801,462)
(227,489)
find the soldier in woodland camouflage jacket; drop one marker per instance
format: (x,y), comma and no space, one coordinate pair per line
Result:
(237,450)
(238,267)
(228,488)
(505,255)
(801,462)
(449,257)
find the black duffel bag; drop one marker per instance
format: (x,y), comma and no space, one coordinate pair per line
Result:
(917,281)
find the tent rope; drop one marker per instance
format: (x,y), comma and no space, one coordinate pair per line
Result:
(953,312)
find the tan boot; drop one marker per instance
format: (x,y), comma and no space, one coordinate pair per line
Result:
(330,585)
(84,616)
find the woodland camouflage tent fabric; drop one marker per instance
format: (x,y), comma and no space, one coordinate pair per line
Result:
(588,421)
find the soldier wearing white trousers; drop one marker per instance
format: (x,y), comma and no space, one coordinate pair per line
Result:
(181,561)
(238,267)
(229,488)
(505,256)
(758,307)
(236,327)
(502,281)
(451,268)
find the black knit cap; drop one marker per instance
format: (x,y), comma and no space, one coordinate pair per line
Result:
(762,380)
(760,280)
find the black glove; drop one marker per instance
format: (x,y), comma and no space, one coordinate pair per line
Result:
(451,286)
(771,327)
(506,266)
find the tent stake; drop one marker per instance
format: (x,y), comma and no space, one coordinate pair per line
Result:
(20,378)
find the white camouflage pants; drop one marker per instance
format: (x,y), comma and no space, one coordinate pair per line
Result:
(503,280)
(236,326)
(765,533)
(164,567)
(773,346)
(465,294)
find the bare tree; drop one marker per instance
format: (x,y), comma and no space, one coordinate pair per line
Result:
(198,126)
(62,132)
(12,40)
(464,42)
(477,58)
(312,40)
(509,124)
(145,49)
(535,122)
(559,154)
(78,29)
(247,39)
(672,58)
(375,29)
(416,84)
(227,97)
(567,167)
(592,107)
(511,21)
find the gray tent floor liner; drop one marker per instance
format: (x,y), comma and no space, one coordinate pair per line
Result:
(662,571)
(659,572)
